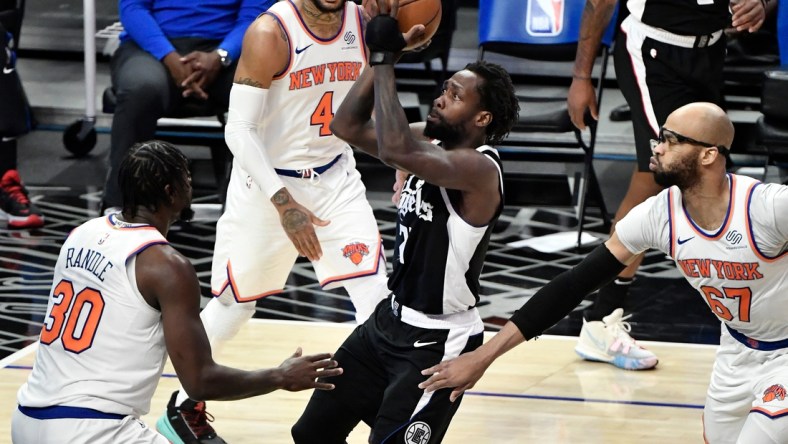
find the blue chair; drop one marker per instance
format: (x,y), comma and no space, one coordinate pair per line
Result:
(547,31)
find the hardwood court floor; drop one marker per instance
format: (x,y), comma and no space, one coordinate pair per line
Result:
(538,392)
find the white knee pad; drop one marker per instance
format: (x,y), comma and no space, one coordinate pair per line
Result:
(367,292)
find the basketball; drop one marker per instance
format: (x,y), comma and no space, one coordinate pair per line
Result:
(419,12)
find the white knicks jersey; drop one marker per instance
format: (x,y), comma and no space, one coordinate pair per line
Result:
(741,268)
(303,98)
(101,346)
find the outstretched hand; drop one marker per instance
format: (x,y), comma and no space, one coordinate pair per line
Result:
(301,372)
(461,373)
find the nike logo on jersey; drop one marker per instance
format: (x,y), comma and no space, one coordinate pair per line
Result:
(684,241)
(300,50)
(419,344)
(7,70)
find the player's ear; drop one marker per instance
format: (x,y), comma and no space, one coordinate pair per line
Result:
(170,192)
(483,118)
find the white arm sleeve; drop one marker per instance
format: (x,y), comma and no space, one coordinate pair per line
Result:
(247,104)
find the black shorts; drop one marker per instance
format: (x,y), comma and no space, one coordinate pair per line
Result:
(382,361)
(657,78)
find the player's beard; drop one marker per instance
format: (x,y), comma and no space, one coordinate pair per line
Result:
(323,8)
(449,134)
(186,214)
(683,174)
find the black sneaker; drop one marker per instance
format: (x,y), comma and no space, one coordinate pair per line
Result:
(187,423)
(15,205)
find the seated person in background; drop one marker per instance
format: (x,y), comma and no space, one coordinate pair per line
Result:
(139,301)
(15,120)
(171,50)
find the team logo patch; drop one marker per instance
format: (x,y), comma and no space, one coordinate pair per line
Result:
(355,252)
(418,433)
(776,391)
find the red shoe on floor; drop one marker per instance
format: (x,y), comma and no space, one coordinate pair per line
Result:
(15,205)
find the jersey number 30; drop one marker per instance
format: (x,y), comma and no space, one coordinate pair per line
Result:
(74,318)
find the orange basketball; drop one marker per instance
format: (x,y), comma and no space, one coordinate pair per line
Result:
(419,12)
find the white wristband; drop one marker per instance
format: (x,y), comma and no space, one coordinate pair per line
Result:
(247,104)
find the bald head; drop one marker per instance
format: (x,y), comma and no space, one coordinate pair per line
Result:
(702,121)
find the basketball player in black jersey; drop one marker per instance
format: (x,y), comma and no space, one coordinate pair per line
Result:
(668,53)
(449,203)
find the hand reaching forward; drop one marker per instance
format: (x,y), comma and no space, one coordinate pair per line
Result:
(462,373)
(300,372)
(298,222)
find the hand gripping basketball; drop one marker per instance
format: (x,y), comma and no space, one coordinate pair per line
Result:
(384,39)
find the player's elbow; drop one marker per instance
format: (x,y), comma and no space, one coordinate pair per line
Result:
(349,131)
(339,129)
(200,388)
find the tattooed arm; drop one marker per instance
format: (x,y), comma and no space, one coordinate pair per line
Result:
(265,52)
(596,16)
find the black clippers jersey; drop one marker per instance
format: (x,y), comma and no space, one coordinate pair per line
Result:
(438,257)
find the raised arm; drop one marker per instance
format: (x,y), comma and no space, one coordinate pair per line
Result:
(548,306)
(582,96)
(461,169)
(265,53)
(166,278)
(353,121)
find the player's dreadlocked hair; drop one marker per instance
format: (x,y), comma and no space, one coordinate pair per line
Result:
(497,96)
(146,170)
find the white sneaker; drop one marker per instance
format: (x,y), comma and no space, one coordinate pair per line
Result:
(608,341)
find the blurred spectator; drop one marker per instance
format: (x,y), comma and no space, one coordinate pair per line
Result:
(15,121)
(171,51)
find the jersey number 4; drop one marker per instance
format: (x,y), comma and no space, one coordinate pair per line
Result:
(714,297)
(74,318)
(323,114)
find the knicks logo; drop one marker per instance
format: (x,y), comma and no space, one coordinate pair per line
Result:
(355,252)
(777,391)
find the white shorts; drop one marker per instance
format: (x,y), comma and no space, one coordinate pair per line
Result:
(253,256)
(746,401)
(129,430)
